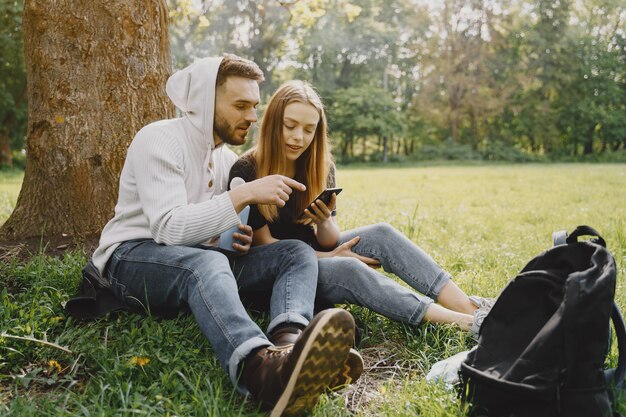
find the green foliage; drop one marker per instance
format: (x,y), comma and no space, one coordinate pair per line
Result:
(447,151)
(360,112)
(492,151)
(18,155)
(481,223)
(540,79)
(254,29)
(13,103)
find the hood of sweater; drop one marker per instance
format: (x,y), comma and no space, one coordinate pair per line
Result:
(192,90)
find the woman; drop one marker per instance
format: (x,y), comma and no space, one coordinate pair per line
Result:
(293,143)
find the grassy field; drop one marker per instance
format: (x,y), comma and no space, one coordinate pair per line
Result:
(482,223)
(10,183)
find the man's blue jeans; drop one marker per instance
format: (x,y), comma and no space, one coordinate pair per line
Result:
(348,280)
(152,276)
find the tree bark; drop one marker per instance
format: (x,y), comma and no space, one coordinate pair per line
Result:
(588,143)
(385,148)
(96,75)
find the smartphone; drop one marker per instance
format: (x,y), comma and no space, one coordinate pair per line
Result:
(324,196)
(227,239)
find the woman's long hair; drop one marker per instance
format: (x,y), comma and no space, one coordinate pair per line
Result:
(312,167)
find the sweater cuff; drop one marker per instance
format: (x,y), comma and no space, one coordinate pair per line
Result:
(226,207)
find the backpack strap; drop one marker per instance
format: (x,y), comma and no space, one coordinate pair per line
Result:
(614,377)
(620,332)
(95,297)
(584,231)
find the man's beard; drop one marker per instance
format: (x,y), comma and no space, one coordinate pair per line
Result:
(227,133)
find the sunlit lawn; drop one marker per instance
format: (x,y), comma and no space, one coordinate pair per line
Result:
(482,223)
(10,183)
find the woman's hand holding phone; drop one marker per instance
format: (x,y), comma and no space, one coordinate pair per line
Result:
(319,212)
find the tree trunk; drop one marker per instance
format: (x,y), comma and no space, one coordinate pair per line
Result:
(6,159)
(454,125)
(364,147)
(385,148)
(96,75)
(344,149)
(588,142)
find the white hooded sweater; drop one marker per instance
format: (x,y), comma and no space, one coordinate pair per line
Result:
(172,186)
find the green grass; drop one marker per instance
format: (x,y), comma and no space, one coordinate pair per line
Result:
(10,184)
(482,223)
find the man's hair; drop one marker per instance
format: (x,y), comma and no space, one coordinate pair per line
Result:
(235,66)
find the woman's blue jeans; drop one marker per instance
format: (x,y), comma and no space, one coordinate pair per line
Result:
(348,280)
(152,276)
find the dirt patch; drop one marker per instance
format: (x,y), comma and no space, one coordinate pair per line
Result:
(53,245)
(381,368)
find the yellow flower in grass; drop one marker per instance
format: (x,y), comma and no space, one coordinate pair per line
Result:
(139,360)
(54,365)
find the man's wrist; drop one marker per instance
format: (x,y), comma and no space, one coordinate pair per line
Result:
(240,197)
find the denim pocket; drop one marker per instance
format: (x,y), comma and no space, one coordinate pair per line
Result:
(119,289)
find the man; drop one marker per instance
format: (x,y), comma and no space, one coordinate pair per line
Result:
(158,252)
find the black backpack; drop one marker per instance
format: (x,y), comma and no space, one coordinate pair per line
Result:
(542,347)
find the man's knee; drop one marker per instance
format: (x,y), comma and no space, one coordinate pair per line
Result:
(210,266)
(295,256)
(299,251)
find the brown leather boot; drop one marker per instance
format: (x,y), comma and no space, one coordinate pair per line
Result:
(285,336)
(289,379)
(350,371)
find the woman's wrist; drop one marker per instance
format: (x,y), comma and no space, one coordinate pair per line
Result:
(327,224)
(327,234)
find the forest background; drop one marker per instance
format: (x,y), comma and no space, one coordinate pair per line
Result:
(407,79)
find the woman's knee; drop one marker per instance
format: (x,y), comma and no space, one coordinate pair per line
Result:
(380,239)
(343,280)
(385,229)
